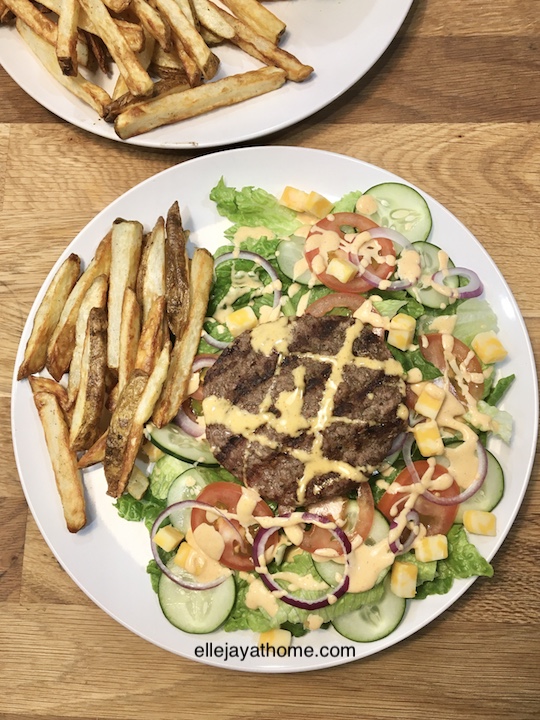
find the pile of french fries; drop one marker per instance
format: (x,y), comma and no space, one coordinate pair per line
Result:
(163,52)
(124,333)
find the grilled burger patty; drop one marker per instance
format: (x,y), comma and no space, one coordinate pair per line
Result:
(305,419)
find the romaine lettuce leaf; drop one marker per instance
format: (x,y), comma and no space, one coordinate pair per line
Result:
(147,509)
(472,317)
(499,389)
(501,420)
(348,202)
(414,359)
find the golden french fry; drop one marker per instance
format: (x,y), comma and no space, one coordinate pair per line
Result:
(190,68)
(63,460)
(153,23)
(96,296)
(213,21)
(184,351)
(117,6)
(137,79)
(85,90)
(62,343)
(142,414)
(119,431)
(151,278)
(193,43)
(125,257)
(66,41)
(176,272)
(259,18)
(130,330)
(95,454)
(264,50)
(197,101)
(145,58)
(161,88)
(48,315)
(151,339)
(84,429)
(44,384)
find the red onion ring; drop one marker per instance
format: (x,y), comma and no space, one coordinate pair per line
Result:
(473,488)
(254,257)
(397,444)
(184,505)
(203,361)
(190,426)
(219,344)
(370,277)
(474,287)
(398,547)
(393,235)
(259,547)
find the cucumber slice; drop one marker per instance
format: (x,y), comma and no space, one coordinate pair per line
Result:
(195,611)
(401,208)
(187,486)
(372,622)
(491,492)
(290,252)
(429,260)
(174,441)
(330,570)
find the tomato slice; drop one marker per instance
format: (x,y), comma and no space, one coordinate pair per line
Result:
(318,538)
(335,223)
(225,496)
(434,353)
(437,519)
(325,304)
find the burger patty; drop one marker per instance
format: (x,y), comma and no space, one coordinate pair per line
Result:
(312,419)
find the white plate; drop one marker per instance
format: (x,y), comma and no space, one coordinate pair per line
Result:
(107,559)
(341,39)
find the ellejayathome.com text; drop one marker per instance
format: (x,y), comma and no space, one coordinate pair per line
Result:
(227,652)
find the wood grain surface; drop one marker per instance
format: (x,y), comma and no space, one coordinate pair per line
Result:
(453,107)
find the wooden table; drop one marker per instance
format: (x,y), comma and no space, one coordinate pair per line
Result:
(453,107)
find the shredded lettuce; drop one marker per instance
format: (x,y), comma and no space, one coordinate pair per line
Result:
(253,206)
(474,316)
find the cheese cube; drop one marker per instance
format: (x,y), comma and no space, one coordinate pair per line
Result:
(431,547)
(240,320)
(189,559)
(488,347)
(403,579)
(428,438)
(430,401)
(318,205)
(168,538)
(294,199)
(341,269)
(480,522)
(275,638)
(401,332)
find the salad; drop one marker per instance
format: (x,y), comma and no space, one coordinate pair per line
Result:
(224,556)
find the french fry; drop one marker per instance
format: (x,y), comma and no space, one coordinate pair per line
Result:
(161,88)
(48,315)
(151,339)
(119,431)
(213,21)
(153,23)
(96,296)
(63,460)
(175,388)
(125,257)
(62,343)
(85,90)
(151,279)
(193,43)
(145,58)
(142,414)
(66,41)
(198,100)
(84,429)
(137,79)
(190,69)
(95,454)
(117,6)
(167,64)
(264,50)
(176,272)
(259,18)
(130,330)
(44,384)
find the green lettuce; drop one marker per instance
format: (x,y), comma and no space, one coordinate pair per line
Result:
(472,317)
(501,421)
(499,390)
(426,570)
(244,618)
(348,202)
(414,359)
(253,206)
(164,473)
(146,510)
(463,561)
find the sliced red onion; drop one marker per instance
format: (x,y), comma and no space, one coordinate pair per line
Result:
(254,257)
(407,457)
(397,444)
(375,281)
(186,505)
(259,547)
(473,488)
(219,344)
(474,287)
(393,235)
(398,547)
(203,361)
(190,426)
